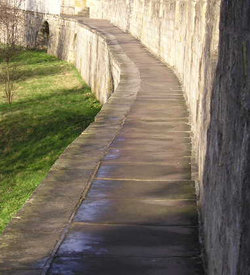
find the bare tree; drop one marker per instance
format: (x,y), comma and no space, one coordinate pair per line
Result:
(11,23)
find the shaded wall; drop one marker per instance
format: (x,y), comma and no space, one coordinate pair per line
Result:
(226,204)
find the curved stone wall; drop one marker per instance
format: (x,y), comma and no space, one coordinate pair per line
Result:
(89,52)
(82,45)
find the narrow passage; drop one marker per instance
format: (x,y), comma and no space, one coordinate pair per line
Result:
(140,214)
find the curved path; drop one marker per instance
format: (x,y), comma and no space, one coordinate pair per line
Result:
(139,216)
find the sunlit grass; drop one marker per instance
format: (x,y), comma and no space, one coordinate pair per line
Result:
(51,107)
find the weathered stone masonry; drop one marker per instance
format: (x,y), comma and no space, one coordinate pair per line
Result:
(78,44)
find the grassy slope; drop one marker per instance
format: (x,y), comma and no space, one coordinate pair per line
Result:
(51,108)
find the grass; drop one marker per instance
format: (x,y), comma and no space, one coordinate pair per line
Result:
(52,106)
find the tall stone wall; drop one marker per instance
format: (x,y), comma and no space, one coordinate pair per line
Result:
(207,43)
(226,203)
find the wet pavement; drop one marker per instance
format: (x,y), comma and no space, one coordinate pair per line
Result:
(139,215)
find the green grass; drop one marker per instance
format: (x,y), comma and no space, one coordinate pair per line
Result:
(52,106)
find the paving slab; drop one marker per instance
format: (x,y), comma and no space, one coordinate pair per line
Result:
(151,144)
(158,105)
(156,113)
(156,135)
(158,88)
(156,126)
(127,266)
(151,141)
(149,190)
(115,240)
(165,97)
(138,211)
(177,158)
(144,172)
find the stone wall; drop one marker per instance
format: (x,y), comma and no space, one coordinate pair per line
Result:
(213,67)
(89,52)
(80,45)
(42,6)
(52,6)
(226,203)
(73,6)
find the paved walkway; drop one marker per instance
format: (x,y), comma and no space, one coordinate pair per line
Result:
(140,214)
